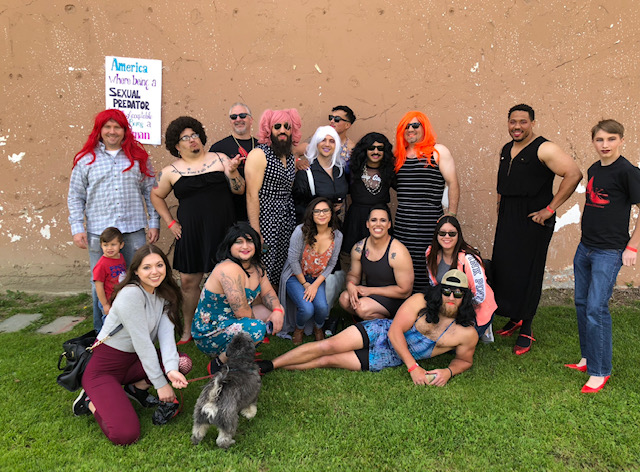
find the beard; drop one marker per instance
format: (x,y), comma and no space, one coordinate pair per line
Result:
(449,311)
(281,148)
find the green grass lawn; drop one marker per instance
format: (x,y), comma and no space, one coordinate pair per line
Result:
(506,413)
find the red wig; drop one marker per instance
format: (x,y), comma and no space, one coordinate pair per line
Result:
(131,147)
(425,149)
(271,117)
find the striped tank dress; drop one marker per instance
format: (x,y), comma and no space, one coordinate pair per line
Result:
(420,190)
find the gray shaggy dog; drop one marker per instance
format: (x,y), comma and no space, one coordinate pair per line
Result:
(234,390)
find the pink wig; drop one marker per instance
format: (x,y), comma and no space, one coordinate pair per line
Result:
(271,117)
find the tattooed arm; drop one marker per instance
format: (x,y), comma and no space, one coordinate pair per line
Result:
(355,275)
(270,300)
(161,189)
(232,281)
(236,182)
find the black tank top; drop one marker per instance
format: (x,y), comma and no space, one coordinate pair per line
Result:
(378,273)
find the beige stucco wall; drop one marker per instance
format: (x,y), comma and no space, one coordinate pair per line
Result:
(462,62)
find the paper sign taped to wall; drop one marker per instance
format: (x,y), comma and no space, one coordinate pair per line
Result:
(134,86)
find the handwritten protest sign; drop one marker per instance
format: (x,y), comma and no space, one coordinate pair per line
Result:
(134,86)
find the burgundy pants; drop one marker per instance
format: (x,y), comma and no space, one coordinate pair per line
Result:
(108,370)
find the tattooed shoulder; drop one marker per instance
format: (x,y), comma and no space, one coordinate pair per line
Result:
(157,182)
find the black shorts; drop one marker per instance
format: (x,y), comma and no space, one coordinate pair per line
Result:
(390,304)
(363,353)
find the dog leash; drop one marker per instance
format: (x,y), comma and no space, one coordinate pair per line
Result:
(201,378)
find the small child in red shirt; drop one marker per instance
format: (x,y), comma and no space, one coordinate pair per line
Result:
(111,267)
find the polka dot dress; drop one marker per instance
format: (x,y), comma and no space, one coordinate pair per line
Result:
(277,211)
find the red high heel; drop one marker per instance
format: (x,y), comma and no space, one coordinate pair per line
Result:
(581,368)
(510,331)
(586,389)
(519,350)
(180,343)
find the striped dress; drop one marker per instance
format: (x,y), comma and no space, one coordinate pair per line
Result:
(420,192)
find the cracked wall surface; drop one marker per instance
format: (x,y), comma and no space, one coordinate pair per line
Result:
(462,62)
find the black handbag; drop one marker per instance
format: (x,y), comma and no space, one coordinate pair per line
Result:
(77,352)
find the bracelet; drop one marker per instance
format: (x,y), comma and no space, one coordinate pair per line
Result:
(173,222)
(278,308)
(549,209)
(413,367)
(632,249)
(450,371)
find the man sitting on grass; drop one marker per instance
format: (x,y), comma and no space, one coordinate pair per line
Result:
(425,326)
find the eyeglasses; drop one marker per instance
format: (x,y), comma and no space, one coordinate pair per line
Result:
(189,138)
(413,125)
(321,211)
(375,148)
(277,126)
(241,115)
(337,119)
(451,234)
(457,293)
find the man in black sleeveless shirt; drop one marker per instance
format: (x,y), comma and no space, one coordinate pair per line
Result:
(526,209)
(386,265)
(239,142)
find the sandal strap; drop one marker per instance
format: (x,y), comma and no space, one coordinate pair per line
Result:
(527,336)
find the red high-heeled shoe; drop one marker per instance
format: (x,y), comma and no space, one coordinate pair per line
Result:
(519,350)
(586,389)
(581,368)
(181,343)
(510,331)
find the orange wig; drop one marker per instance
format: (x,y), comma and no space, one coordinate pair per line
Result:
(425,149)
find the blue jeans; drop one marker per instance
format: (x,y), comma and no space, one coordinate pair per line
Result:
(318,309)
(132,242)
(595,272)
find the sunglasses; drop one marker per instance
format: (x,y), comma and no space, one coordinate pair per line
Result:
(375,148)
(452,234)
(277,126)
(337,119)
(189,138)
(457,293)
(241,115)
(321,211)
(413,125)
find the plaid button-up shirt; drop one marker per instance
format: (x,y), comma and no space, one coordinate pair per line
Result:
(107,196)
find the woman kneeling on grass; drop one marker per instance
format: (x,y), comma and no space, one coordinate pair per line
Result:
(448,251)
(147,305)
(313,253)
(225,309)
(425,326)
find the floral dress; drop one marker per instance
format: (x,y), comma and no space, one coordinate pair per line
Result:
(214,324)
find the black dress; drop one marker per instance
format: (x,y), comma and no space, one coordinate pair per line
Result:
(362,199)
(205,212)
(520,247)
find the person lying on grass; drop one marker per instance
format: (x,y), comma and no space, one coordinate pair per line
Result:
(425,326)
